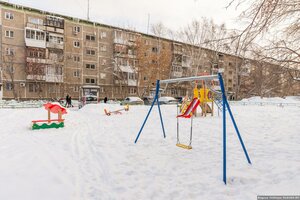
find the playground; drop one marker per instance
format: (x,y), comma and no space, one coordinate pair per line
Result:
(94,155)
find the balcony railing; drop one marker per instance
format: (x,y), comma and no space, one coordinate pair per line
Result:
(36,26)
(120,41)
(35,43)
(55,29)
(53,78)
(36,60)
(36,77)
(132,82)
(55,45)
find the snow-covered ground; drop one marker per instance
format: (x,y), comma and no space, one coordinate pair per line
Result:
(94,156)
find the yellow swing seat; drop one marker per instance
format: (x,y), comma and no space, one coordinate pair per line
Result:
(184,146)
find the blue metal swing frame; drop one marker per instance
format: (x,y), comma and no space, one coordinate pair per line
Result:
(225,105)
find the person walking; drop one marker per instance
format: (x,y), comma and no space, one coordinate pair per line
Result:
(67,100)
(70,101)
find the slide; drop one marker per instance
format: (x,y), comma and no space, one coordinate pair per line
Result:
(192,107)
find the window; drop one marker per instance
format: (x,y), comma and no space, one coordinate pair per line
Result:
(131,76)
(76,44)
(55,39)
(35,35)
(32,87)
(76,29)
(103,34)
(76,88)
(10,69)
(76,73)
(154,49)
(76,58)
(132,90)
(90,52)
(10,51)
(9,15)
(103,48)
(34,20)
(90,37)
(9,34)
(8,86)
(35,54)
(90,80)
(90,66)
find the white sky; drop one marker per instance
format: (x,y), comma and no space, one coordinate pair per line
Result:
(174,14)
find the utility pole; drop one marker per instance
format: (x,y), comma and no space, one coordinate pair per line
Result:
(148,23)
(88,10)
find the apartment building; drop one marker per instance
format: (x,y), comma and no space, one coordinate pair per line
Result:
(46,56)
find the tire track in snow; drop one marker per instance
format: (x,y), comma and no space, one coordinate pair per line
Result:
(92,169)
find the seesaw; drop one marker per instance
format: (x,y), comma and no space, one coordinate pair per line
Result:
(108,113)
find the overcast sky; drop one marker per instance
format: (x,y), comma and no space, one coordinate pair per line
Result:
(174,14)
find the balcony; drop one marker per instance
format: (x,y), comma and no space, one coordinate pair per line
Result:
(35,26)
(53,78)
(122,82)
(35,37)
(36,77)
(36,60)
(55,29)
(35,43)
(132,82)
(120,41)
(55,45)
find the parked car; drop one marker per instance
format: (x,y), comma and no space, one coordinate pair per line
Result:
(167,100)
(132,101)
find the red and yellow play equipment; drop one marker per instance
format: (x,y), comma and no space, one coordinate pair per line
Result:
(188,114)
(108,113)
(51,123)
(205,96)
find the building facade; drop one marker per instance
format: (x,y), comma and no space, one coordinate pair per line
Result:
(47,56)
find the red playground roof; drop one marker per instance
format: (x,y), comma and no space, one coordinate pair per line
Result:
(55,108)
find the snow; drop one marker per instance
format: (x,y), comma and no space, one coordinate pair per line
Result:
(94,156)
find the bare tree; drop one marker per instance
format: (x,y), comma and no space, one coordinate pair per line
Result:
(8,58)
(35,69)
(154,59)
(279,22)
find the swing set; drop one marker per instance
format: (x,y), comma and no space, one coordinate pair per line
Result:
(189,114)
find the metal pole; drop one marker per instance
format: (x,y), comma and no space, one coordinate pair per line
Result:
(238,132)
(88,10)
(224,140)
(161,120)
(191,134)
(177,124)
(155,99)
(224,125)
